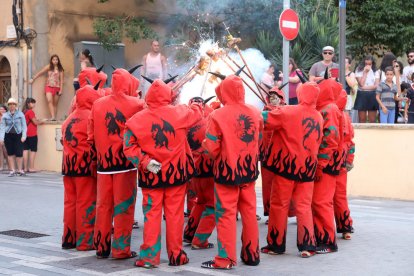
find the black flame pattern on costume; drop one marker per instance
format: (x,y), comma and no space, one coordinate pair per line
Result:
(285,165)
(204,167)
(308,242)
(272,241)
(111,162)
(179,260)
(72,167)
(344,223)
(249,256)
(69,240)
(173,176)
(103,249)
(335,164)
(323,240)
(246,171)
(190,229)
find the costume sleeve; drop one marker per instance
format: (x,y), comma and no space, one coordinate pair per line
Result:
(273,120)
(351,145)
(91,136)
(330,138)
(212,142)
(133,151)
(195,114)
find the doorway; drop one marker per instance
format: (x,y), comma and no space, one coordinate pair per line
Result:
(5,80)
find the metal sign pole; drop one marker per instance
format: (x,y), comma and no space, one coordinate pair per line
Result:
(342,40)
(286,5)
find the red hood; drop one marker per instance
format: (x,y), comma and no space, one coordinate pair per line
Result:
(336,89)
(279,92)
(231,90)
(93,77)
(326,95)
(218,92)
(123,83)
(342,99)
(159,94)
(86,96)
(308,94)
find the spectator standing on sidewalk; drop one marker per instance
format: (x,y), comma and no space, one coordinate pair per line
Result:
(317,70)
(30,145)
(3,152)
(54,83)
(407,75)
(13,134)
(387,94)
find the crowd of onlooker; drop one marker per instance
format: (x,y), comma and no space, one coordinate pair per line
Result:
(375,93)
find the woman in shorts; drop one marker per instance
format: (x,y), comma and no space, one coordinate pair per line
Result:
(30,145)
(368,81)
(54,83)
(13,134)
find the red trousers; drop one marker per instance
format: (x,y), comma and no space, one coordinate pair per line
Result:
(191,195)
(323,212)
(342,213)
(201,221)
(267,177)
(284,192)
(116,202)
(172,199)
(79,212)
(227,200)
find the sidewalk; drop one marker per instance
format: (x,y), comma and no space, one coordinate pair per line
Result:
(381,245)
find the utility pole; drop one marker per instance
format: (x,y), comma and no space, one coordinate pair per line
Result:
(342,40)
(286,5)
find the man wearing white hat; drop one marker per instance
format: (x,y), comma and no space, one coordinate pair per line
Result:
(13,130)
(318,69)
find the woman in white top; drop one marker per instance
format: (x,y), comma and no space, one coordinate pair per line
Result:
(368,80)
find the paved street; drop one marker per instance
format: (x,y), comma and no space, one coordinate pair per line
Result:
(382,245)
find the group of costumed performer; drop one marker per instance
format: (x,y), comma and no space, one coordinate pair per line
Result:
(155,142)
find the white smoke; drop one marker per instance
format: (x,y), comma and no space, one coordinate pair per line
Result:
(201,86)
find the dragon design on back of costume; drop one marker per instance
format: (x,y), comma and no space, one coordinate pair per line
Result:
(194,144)
(69,137)
(310,126)
(158,134)
(245,129)
(113,122)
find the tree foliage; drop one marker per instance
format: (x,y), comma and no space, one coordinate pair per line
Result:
(111,31)
(378,26)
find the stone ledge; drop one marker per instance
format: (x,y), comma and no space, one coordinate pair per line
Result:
(384,126)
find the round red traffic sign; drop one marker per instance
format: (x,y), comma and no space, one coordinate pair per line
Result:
(289,24)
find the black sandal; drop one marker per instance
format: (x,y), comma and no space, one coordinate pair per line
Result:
(195,247)
(212,265)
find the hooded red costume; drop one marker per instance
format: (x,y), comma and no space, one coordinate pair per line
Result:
(116,175)
(329,163)
(232,141)
(158,134)
(267,175)
(90,75)
(342,213)
(292,156)
(201,222)
(78,171)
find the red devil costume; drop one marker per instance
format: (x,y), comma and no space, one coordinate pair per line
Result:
(232,140)
(292,157)
(156,137)
(267,175)
(342,213)
(329,163)
(78,170)
(201,221)
(116,175)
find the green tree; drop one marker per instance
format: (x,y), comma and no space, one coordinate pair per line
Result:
(380,25)
(111,31)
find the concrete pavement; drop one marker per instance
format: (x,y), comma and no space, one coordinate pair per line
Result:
(382,245)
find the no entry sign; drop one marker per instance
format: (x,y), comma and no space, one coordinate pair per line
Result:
(289,24)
